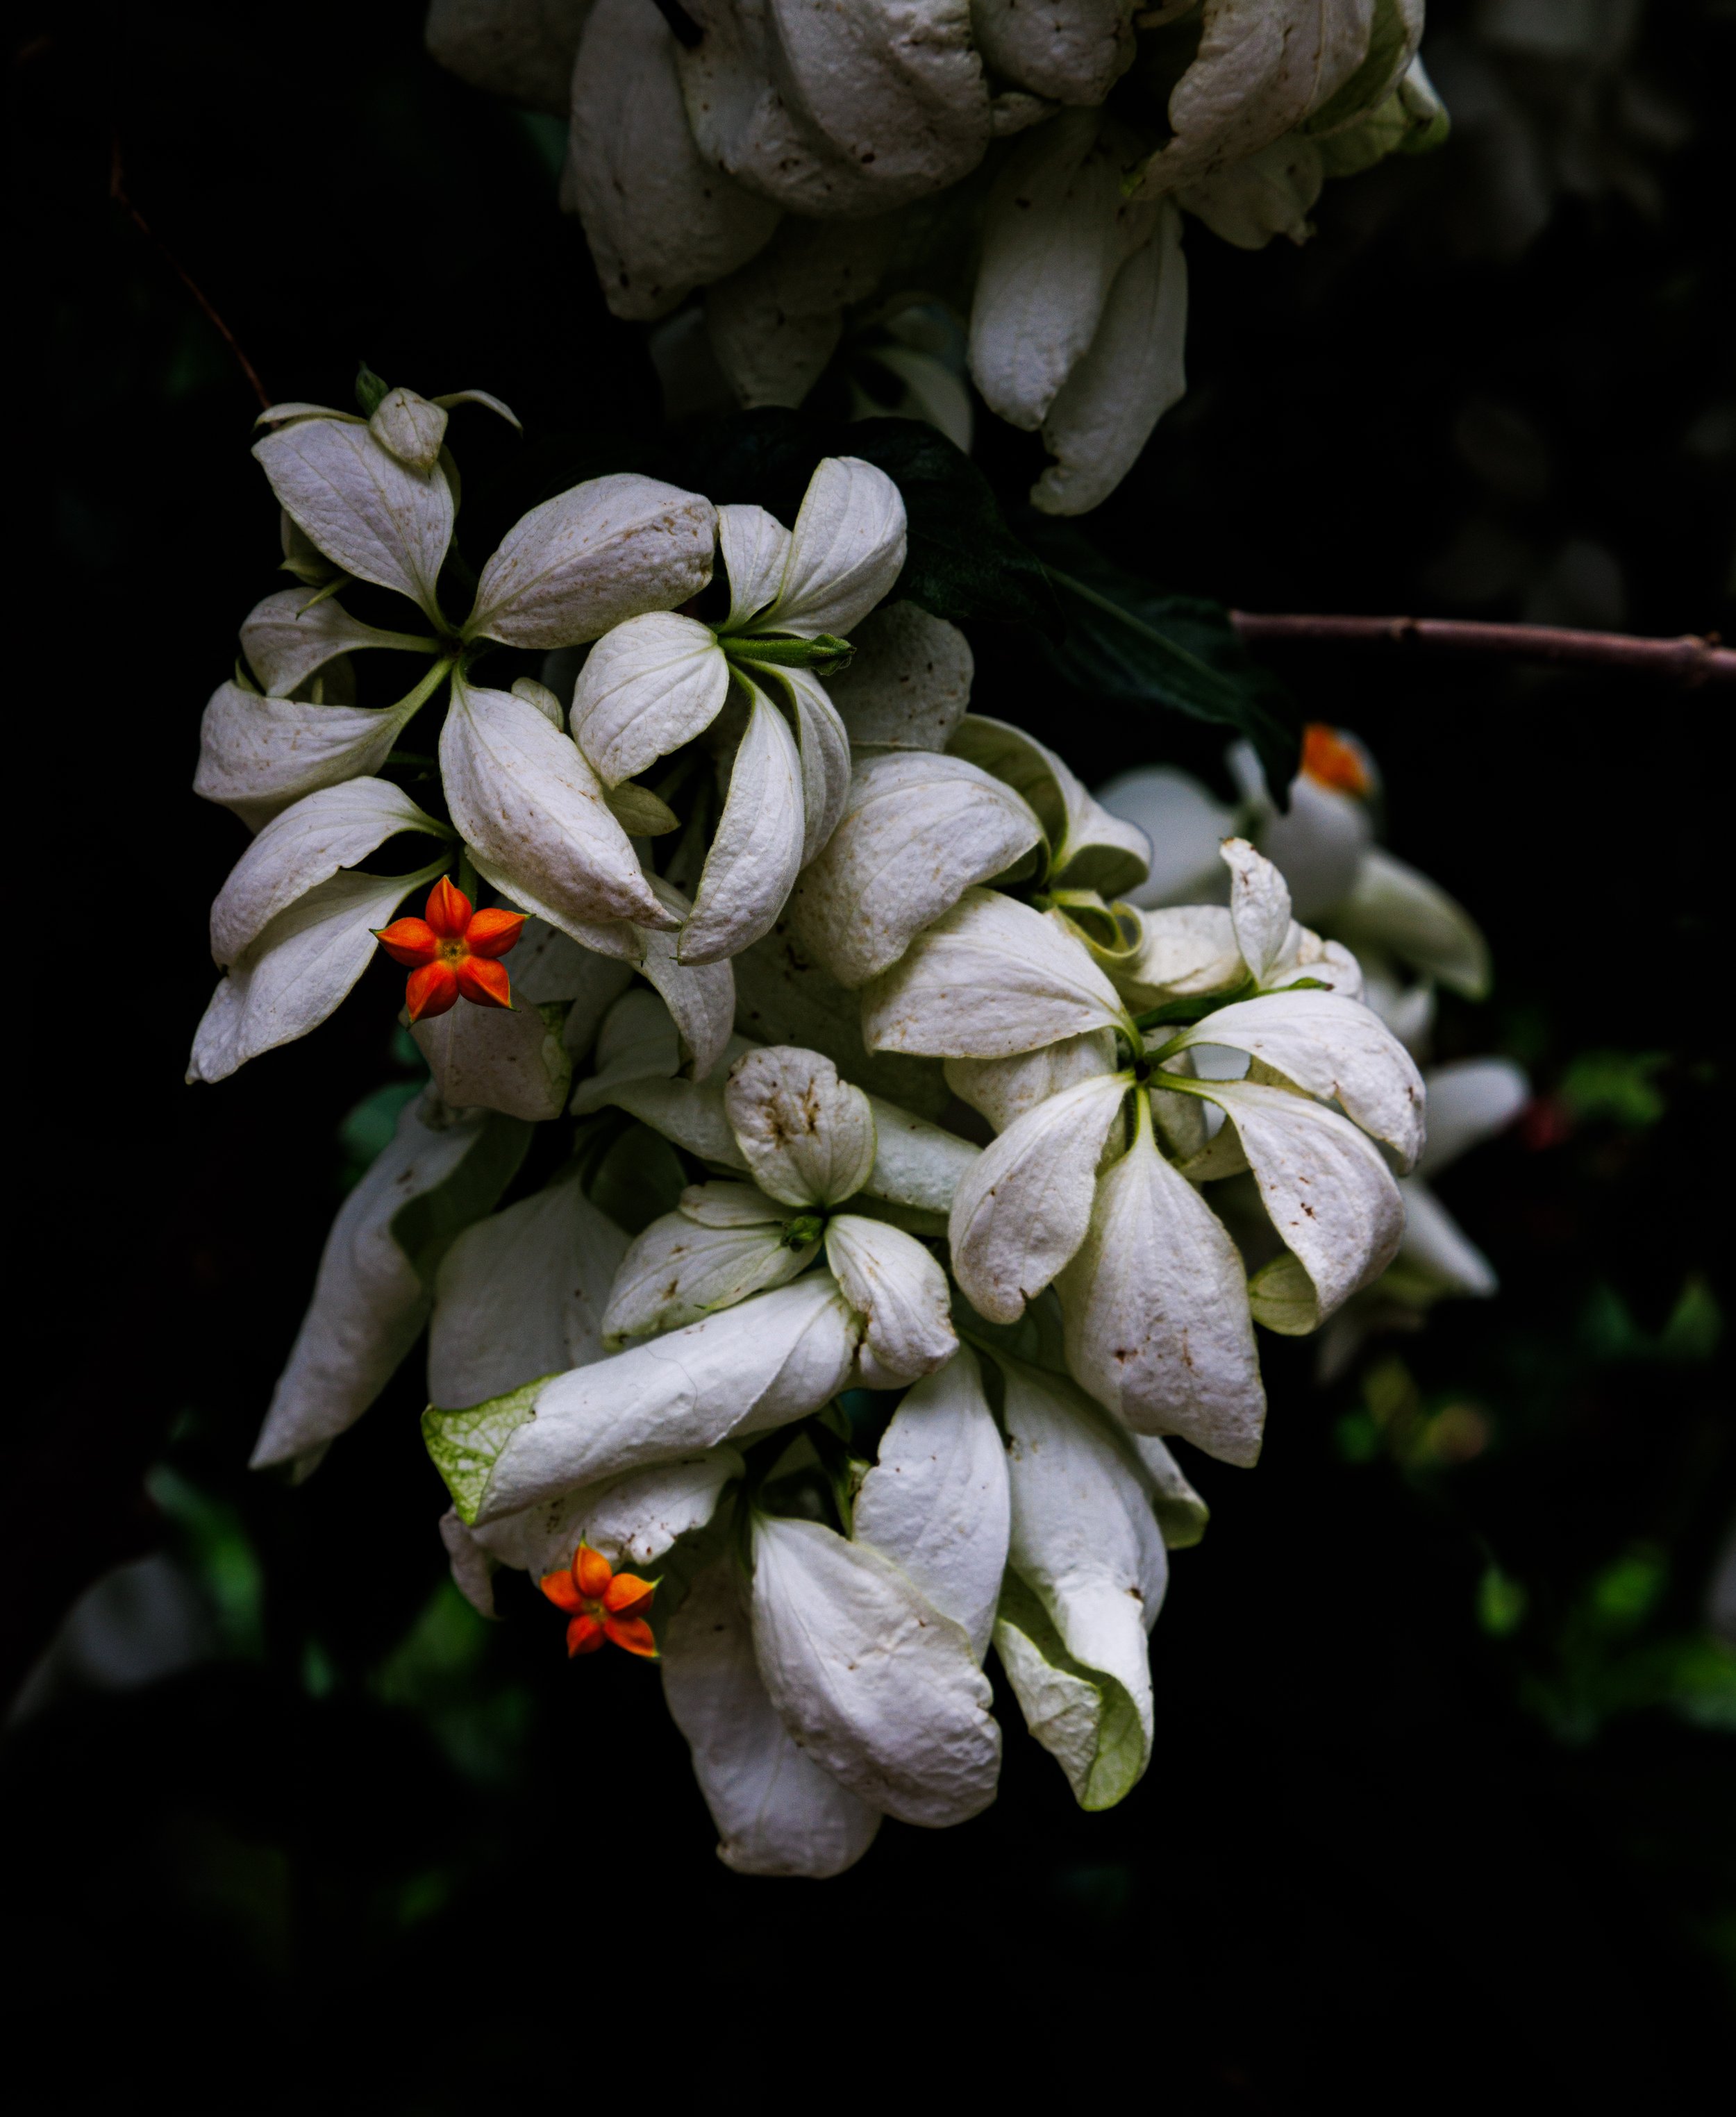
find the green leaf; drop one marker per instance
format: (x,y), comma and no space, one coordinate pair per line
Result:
(964,559)
(372,390)
(465,1445)
(764,459)
(1084,1718)
(1129,643)
(425,1228)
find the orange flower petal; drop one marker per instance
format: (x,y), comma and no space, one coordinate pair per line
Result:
(493,932)
(411,941)
(626,1592)
(561,1590)
(484,982)
(592,1571)
(583,1636)
(430,990)
(1330,761)
(634,1634)
(448,910)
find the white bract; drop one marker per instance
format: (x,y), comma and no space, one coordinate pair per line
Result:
(1323,844)
(1470,1101)
(787,160)
(1078,1191)
(658,682)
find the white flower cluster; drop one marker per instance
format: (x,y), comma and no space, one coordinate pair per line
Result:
(802,163)
(1409,938)
(917,1120)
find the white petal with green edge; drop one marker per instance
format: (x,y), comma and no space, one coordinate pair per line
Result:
(646,688)
(808,1136)
(991,978)
(298,969)
(1392,907)
(306,845)
(756,849)
(1003,1089)
(918,829)
(872,1680)
(1084,1539)
(777,1812)
(744,1369)
(1330,1197)
(676,1271)
(1156,1309)
(369,1301)
(901,1294)
(631,1519)
(1133,370)
(498,1059)
(756,548)
(257,755)
(522,1294)
(1083,1718)
(608,549)
(1024,1206)
(1470,1100)
(376,518)
(936,1500)
(1334,1048)
(288,636)
(846,549)
(660,219)
(532,810)
(1185,826)
(909,685)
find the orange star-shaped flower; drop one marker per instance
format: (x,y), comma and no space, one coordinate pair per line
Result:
(1330,761)
(602,1605)
(451,954)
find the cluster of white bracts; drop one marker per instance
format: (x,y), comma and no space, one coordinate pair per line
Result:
(1409,938)
(788,160)
(878,910)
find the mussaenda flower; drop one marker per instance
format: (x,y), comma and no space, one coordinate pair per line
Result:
(453,953)
(602,1605)
(1341,881)
(1093,1184)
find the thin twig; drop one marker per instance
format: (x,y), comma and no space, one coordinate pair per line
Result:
(1690,659)
(117,192)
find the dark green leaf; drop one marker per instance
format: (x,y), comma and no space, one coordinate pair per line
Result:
(1129,643)
(963,560)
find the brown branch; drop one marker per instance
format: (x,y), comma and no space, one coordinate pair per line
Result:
(117,192)
(1690,660)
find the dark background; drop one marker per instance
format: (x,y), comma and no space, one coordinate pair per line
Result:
(1442,1800)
